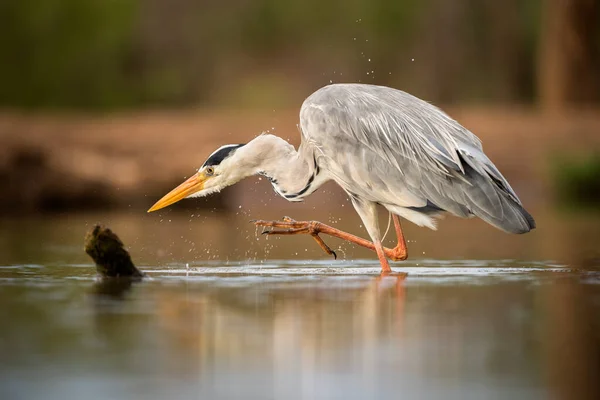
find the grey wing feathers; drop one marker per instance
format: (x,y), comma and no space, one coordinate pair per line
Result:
(490,197)
(416,147)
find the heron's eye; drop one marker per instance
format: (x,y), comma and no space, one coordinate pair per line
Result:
(210,171)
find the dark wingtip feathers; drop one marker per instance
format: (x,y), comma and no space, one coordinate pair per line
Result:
(528,223)
(491,199)
(513,218)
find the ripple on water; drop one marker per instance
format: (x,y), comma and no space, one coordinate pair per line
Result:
(281,271)
(359,267)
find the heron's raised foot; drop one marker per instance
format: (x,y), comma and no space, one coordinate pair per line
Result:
(289,226)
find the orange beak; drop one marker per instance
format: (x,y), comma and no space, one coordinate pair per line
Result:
(187,188)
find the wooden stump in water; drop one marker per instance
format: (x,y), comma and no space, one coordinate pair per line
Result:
(109,254)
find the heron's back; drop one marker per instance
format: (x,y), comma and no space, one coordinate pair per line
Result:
(389,147)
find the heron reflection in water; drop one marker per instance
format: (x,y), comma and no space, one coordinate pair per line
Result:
(382,146)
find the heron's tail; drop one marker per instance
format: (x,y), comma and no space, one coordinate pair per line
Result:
(490,197)
(510,217)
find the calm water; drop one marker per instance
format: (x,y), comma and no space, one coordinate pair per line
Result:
(473,314)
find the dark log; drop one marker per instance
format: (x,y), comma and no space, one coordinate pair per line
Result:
(109,254)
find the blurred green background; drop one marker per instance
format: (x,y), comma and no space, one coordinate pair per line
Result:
(115,54)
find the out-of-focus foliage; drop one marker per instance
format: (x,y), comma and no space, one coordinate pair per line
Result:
(577,181)
(138,53)
(66,53)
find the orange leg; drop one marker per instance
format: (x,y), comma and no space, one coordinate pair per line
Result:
(399,253)
(385,265)
(313,228)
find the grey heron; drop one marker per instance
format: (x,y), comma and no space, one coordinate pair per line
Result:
(382,146)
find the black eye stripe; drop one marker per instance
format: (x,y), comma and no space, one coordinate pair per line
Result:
(218,156)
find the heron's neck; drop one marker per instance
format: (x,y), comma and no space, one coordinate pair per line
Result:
(294,174)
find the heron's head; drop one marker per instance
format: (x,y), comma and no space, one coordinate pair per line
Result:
(222,168)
